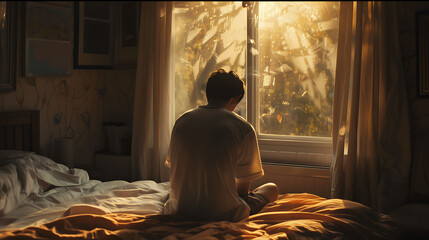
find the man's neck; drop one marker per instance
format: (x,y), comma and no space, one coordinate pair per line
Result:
(215,105)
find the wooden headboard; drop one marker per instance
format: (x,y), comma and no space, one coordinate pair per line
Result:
(20,130)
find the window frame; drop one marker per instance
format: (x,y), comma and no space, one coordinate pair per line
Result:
(307,151)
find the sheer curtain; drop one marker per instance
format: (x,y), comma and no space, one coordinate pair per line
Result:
(371,133)
(151,116)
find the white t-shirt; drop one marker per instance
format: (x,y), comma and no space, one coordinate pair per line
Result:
(210,150)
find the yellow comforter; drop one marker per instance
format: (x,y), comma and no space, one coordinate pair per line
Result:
(292,216)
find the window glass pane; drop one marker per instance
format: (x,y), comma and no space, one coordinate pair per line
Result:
(207,36)
(297,54)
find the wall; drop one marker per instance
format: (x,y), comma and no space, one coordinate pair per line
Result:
(419,106)
(75,106)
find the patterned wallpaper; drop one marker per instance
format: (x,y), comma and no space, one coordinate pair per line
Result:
(75,107)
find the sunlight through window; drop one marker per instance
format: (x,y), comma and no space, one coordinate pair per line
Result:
(295,47)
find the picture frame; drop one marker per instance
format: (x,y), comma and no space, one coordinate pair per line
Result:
(48,39)
(93,36)
(8,48)
(422,46)
(128,33)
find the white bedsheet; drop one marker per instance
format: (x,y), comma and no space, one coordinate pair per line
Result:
(35,190)
(23,174)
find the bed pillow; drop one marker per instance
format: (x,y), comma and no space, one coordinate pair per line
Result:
(25,173)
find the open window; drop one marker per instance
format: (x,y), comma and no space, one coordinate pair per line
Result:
(286,53)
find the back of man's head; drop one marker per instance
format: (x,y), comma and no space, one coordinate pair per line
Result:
(222,86)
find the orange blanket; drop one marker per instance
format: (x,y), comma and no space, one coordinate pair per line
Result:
(292,216)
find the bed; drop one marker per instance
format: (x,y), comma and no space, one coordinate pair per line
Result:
(41,199)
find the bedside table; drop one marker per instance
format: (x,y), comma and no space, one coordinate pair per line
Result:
(113,167)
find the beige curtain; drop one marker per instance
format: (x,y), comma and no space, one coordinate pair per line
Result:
(371,133)
(151,116)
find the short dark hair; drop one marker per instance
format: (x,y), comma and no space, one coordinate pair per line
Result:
(222,86)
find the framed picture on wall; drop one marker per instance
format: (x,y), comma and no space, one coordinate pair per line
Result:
(8,48)
(422,26)
(128,31)
(94,26)
(48,46)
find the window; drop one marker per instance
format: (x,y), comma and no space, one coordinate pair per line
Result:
(285,52)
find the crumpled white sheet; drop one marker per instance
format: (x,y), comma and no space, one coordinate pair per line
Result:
(23,174)
(39,190)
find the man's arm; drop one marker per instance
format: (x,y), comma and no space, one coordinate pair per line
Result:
(243,188)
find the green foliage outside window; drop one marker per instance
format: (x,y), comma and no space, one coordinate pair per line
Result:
(296,52)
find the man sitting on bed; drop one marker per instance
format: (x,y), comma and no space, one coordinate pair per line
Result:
(214,156)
